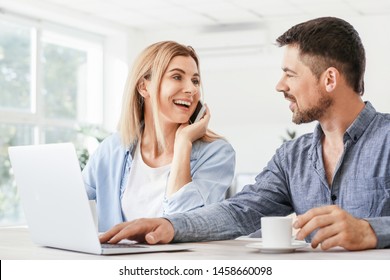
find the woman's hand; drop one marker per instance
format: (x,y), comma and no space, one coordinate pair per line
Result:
(186,134)
(192,132)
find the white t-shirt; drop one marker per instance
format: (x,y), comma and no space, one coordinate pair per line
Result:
(145,190)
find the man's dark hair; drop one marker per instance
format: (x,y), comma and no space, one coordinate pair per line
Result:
(329,42)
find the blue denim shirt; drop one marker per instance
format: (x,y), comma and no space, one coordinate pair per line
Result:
(294,181)
(106,173)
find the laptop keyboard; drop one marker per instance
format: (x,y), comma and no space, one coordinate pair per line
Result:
(122,245)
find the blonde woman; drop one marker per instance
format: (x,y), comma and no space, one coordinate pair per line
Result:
(157,163)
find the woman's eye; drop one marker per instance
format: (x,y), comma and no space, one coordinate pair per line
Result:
(196,82)
(177,77)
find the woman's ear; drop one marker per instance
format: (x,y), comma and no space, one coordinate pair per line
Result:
(142,88)
(331,79)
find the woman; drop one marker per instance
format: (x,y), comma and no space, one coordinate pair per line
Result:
(158,163)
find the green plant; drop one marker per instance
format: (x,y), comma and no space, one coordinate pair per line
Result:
(82,137)
(291,134)
(88,132)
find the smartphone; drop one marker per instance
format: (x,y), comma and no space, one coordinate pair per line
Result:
(198,113)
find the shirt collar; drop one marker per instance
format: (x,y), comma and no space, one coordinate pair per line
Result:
(354,131)
(131,148)
(317,135)
(360,124)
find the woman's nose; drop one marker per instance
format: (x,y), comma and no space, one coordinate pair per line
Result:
(191,89)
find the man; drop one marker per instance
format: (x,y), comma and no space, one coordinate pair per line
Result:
(337,179)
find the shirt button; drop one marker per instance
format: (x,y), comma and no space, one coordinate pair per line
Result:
(333,197)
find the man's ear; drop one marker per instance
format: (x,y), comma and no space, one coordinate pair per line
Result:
(142,88)
(331,78)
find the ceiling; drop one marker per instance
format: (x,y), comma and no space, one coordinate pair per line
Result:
(159,14)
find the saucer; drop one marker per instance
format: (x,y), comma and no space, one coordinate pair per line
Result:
(294,245)
(247,238)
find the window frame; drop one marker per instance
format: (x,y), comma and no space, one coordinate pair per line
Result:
(35,116)
(91,100)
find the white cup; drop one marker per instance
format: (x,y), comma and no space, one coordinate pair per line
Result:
(276,232)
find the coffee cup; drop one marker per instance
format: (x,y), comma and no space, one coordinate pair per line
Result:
(276,232)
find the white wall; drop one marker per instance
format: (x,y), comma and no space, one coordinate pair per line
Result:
(240,89)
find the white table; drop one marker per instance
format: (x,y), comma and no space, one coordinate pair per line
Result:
(15,244)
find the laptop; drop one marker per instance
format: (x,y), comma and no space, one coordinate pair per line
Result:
(55,203)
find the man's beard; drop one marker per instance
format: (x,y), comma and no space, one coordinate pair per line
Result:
(314,113)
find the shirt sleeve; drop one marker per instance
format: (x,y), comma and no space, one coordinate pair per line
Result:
(89,177)
(100,167)
(212,170)
(240,214)
(381,226)
(102,180)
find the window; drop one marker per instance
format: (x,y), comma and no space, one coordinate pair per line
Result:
(50,87)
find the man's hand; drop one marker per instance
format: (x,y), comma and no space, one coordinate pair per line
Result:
(152,231)
(336,227)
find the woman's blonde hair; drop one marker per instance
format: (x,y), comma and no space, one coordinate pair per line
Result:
(151,64)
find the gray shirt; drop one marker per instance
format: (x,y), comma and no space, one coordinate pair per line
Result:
(294,181)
